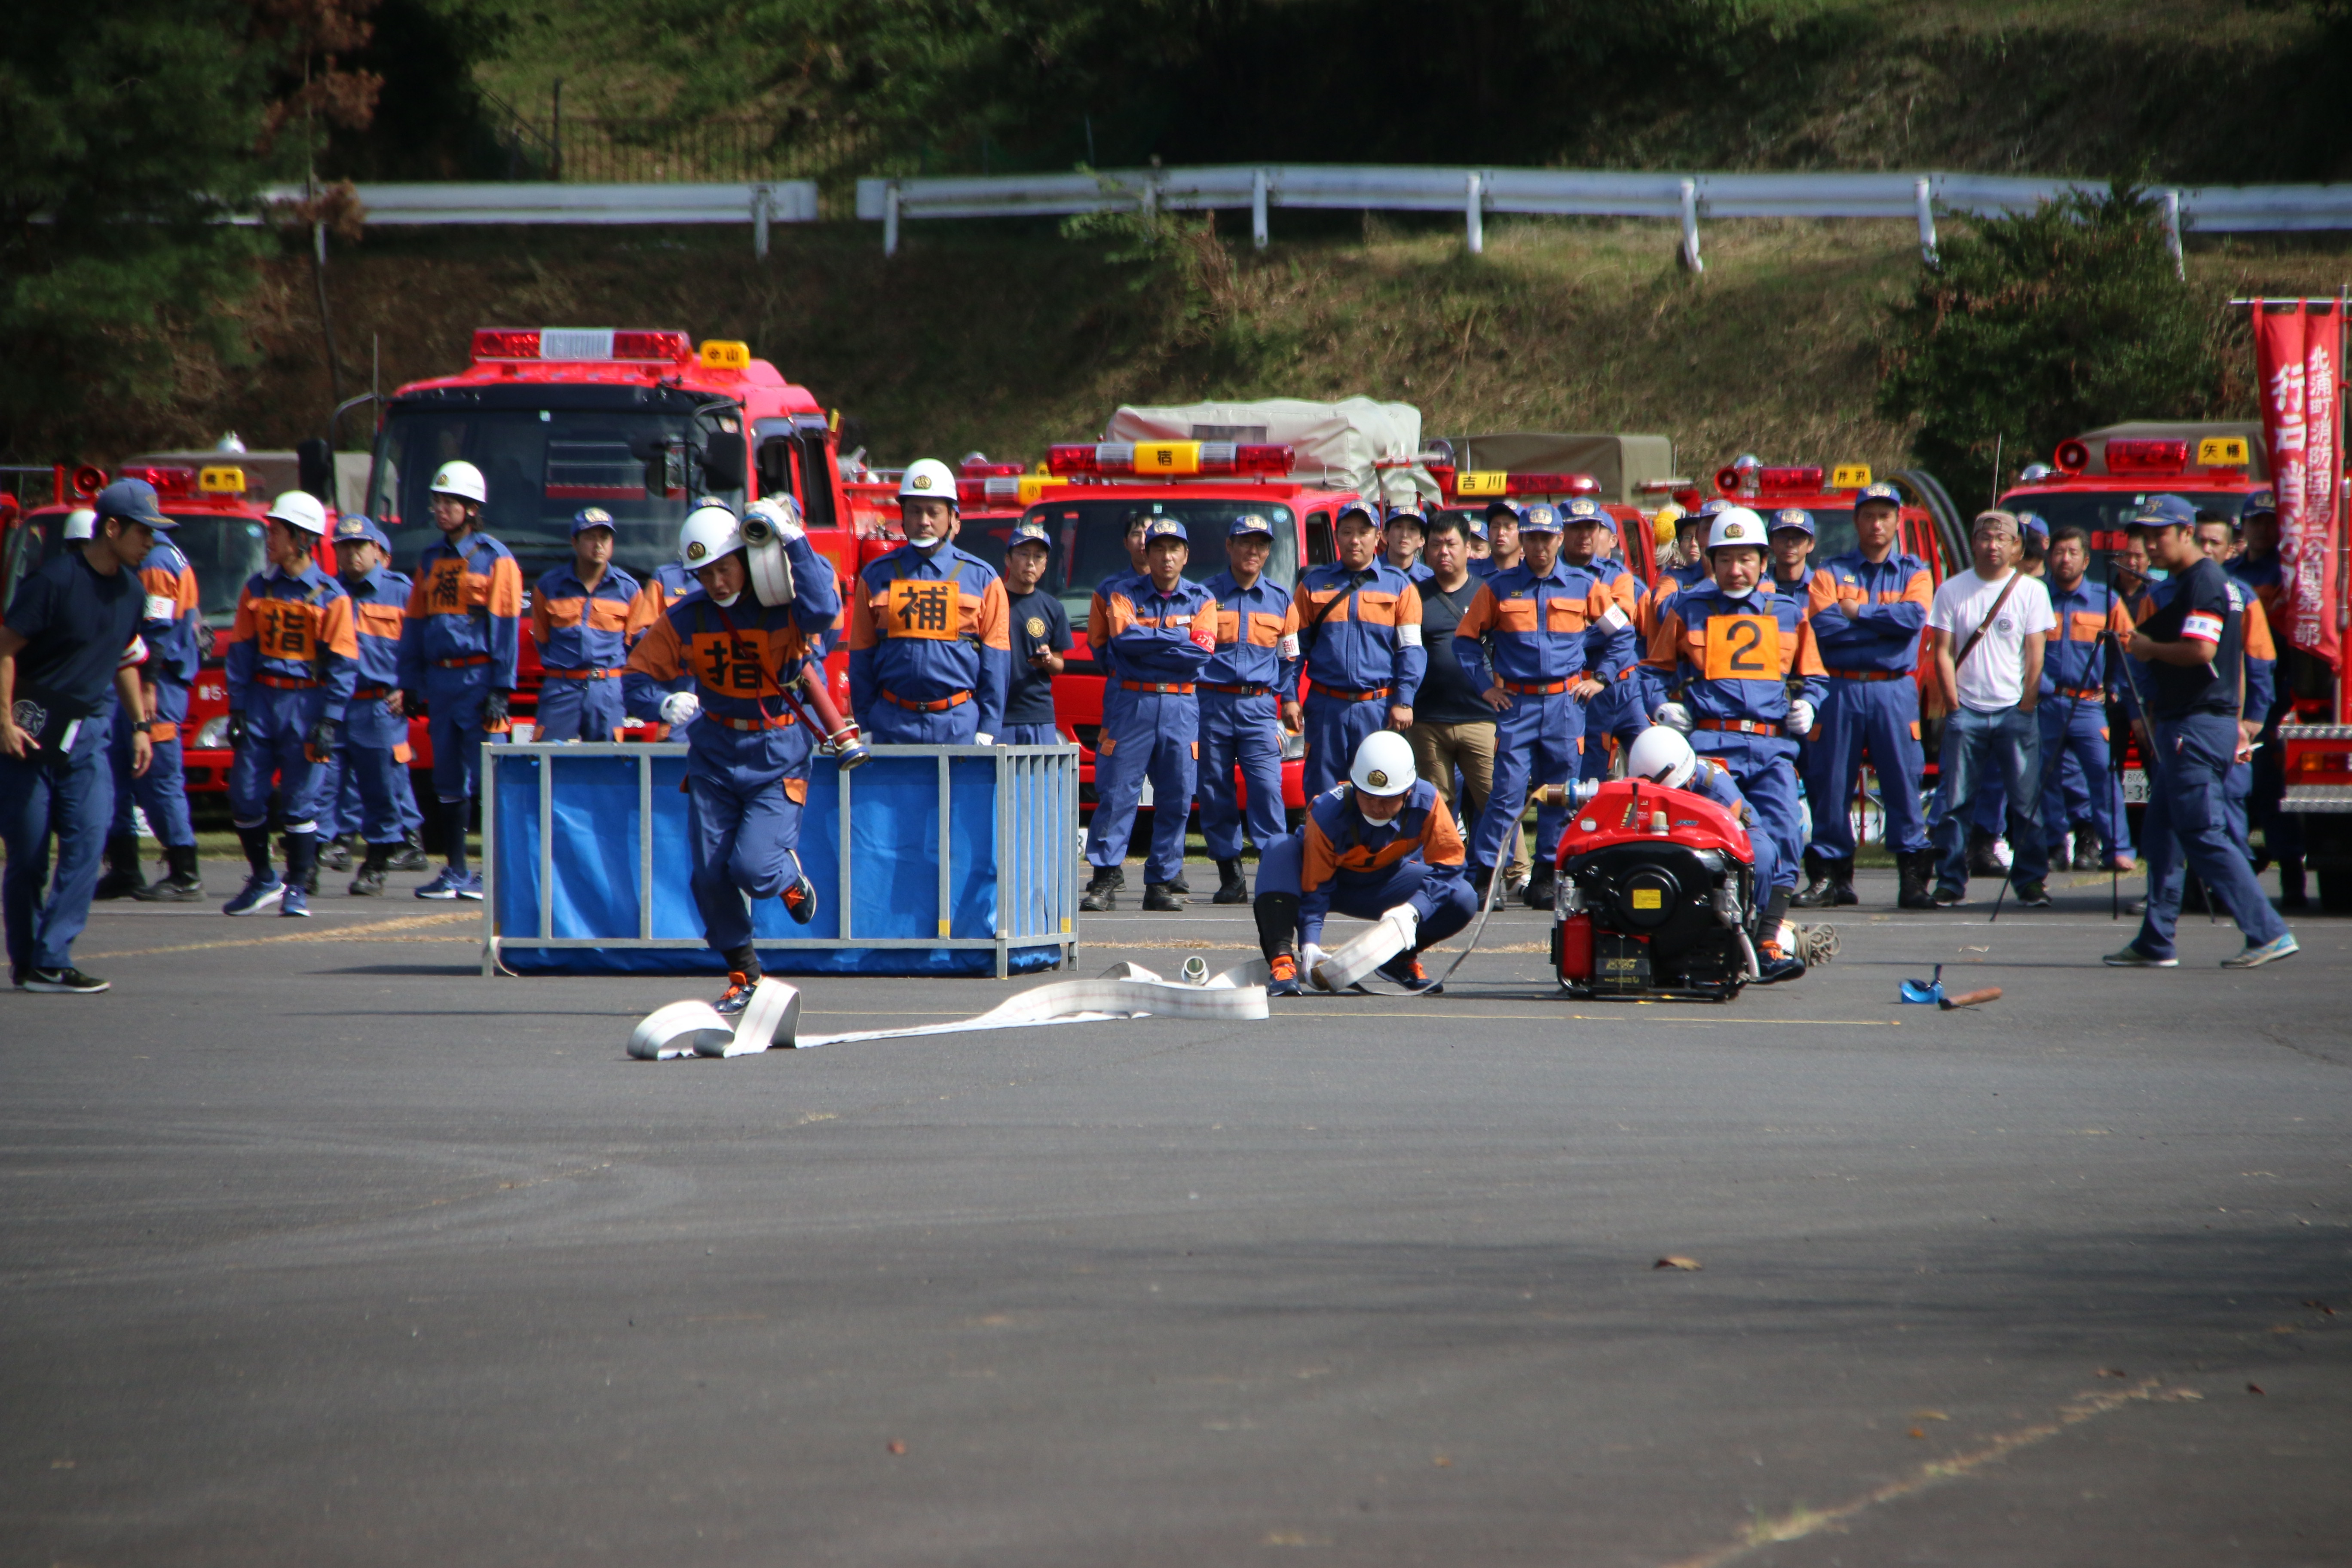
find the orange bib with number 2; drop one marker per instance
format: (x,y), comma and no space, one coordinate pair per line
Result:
(1743,648)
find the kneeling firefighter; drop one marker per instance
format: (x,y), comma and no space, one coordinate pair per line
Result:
(1381,844)
(1663,756)
(720,666)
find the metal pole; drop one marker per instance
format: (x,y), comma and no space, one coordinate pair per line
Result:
(1690,228)
(760,222)
(556,127)
(947,922)
(2172,234)
(645,846)
(1927,221)
(1475,215)
(489,776)
(890,219)
(1258,236)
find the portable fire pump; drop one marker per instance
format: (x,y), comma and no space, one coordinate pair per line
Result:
(1656,896)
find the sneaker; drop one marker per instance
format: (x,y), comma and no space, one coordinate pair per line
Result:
(68,982)
(1514,886)
(444,885)
(2253,957)
(1406,970)
(738,994)
(1282,976)
(1773,965)
(470,887)
(2032,895)
(800,900)
(2131,957)
(294,901)
(369,883)
(258,899)
(1948,897)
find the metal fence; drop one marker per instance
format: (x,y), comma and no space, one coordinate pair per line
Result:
(880,825)
(757,202)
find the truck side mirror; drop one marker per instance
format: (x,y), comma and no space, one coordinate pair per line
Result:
(314,464)
(722,464)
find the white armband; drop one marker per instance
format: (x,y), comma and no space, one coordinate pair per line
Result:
(2201,627)
(1289,645)
(135,653)
(161,607)
(1616,620)
(1409,634)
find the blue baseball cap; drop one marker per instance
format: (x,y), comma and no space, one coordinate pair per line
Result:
(1496,509)
(1794,517)
(355,528)
(1881,491)
(1029,531)
(1707,509)
(1411,514)
(2262,503)
(1477,526)
(1540,518)
(1164,527)
(1584,509)
(2163,511)
(2031,523)
(589,517)
(133,501)
(1250,523)
(1356,509)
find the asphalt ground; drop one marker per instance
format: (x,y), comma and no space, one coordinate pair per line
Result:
(320,1248)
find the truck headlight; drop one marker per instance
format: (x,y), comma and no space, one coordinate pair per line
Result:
(1294,747)
(213,736)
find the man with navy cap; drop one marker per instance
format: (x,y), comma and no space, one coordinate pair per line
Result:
(1162,630)
(1253,672)
(70,635)
(1041,635)
(1792,536)
(1502,536)
(1403,537)
(580,615)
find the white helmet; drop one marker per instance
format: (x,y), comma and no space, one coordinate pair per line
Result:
(300,509)
(81,523)
(710,532)
(1736,525)
(927,479)
(1661,755)
(1383,764)
(462,479)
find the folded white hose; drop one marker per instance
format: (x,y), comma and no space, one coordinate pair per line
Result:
(1393,934)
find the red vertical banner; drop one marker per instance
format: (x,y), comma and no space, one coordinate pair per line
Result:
(2298,360)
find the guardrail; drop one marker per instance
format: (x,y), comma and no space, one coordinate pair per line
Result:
(955,860)
(1475,193)
(758,203)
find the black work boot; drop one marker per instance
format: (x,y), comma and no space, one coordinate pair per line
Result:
(1842,891)
(1982,861)
(335,854)
(123,879)
(182,885)
(1816,894)
(409,855)
(1162,897)
(1913,868)
(369,883)
(1231,888)
(1180,884)
(1102,892)
(2090,855)
(1542,888)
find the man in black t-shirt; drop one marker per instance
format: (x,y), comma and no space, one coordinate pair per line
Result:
(2194,648)
(1452,725)
(1041,635)
(70,633)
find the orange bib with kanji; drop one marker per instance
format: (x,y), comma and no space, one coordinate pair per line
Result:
(1743,648)
(735,663)
(285,628)
(918,608)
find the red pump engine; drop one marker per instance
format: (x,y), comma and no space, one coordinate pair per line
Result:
(1656,889)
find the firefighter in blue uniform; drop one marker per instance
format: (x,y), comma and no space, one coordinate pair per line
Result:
(1616,714)
(460,649)
(579,617)
(1539,641)
(291,667)
(2076,680)
(1163,631)
(1733,664)
(1381,839)
(1867,608)
(2192,650)
(371,765)
(715,667)
(930,654)
(168,626)
(1359,641)
(1253,672)
(1040,631)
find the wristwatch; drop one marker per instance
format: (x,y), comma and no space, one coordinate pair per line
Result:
(144,725)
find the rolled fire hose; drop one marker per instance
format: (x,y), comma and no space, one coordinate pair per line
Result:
(764,552)
(1393,934)
(1126,991)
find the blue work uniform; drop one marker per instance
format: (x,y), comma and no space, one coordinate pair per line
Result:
(2194,710)
(2266,786)
(1867,618)
(1731,662)
(369,794)
(1037,624)
(930,654)
(1536,636)
(80,626)
(1714,780)
(2075,684)
(1158,645)
(1617,713)
(461,641)
(1253,672)
(1339,862)
(1359,643)
(167,625)
(292,661)
(583,637)
(747,757)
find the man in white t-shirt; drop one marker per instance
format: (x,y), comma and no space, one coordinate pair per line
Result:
(1986,629)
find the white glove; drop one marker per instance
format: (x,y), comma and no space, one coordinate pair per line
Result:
(1801,717)
(1674,716)
(680,709)
(784,517)
(980,740)
(1311,959)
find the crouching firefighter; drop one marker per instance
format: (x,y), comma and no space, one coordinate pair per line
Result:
(1663,756)
(718,666)
(1381,840)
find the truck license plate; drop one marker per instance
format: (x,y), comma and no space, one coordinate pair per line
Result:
(2134,786)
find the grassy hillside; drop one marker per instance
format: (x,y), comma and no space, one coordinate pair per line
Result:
(1004,338)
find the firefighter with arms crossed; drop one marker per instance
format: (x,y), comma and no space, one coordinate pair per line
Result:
(715,667)
(1253,670)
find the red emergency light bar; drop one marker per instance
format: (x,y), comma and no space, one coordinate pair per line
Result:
(1184,459)
(983,471)
(580,343)
(973,490)
(168,481)
(1473,485)
(1804,480)
(1552,485)
(2146,456)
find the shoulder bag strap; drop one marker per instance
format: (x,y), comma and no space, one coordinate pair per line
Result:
(1968,646)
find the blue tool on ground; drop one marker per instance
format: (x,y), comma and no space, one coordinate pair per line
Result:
(1926,992)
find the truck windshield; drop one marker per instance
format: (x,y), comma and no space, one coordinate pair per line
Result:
(2099,512)
(1090,541)
(541,465)
(224,551)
